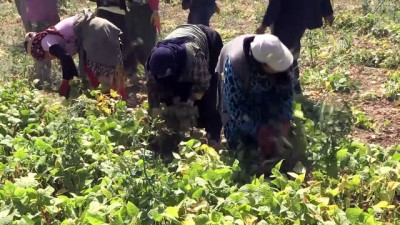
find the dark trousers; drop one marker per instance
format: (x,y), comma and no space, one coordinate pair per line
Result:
(209,116)
(201,14)
(142,34)
(291,37)
(119,21)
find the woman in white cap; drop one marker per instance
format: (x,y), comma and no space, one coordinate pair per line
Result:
(95,39)
(257,91)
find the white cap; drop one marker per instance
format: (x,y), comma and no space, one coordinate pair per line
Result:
(268,49)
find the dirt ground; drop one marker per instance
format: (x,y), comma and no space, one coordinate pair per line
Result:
(370,98)
(385,114)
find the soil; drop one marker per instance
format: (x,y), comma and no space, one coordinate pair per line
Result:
(370,98)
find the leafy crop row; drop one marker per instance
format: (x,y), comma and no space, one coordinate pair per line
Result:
(89,163)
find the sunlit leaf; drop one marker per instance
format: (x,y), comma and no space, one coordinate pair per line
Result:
(172,211)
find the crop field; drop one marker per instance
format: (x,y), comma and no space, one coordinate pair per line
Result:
(87,160)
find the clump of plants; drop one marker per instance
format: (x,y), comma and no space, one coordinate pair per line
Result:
(392,86)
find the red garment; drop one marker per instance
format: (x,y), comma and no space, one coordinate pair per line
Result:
(64,88)
(153,4)
(266,135)
(92,78)
(94,82)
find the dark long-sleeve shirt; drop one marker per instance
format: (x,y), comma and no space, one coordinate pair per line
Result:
(303,14)
(120,3)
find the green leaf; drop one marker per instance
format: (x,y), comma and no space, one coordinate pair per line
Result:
(113,207)
(329,223)
(131,209)
(42,145)
(94,219)
(354,214)
(176,155)
(19,192)
(200,182)
(2,168)
(355,181)
(96,208)
(68,221)
(216,216)
(341,154)
(193,143)
(8,188)
(25,112)
(239,222)
(155,215)
(14,120)
(172,211)
(27,182)
(262,222)
(201,219)
(27,220)
(198,193)
(48,191)
(6,218)
(20,154)
(382,204)
(396,157)
(106,193)
(236,197)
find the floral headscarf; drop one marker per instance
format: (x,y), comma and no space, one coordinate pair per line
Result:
(33,42)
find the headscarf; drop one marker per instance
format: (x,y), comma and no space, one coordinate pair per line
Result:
(168,59)
(33,42)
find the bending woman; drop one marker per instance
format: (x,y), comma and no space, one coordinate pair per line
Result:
(96,40)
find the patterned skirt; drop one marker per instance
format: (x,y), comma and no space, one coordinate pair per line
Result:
(101,69)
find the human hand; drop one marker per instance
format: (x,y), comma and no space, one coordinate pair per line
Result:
(217,8)
(64,88)
(265,138)
(155,112)
(272,138)
(261,29)
(198,96)
(329,19)
(155,20)
(214,144)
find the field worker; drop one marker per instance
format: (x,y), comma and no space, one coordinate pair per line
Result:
(143,22)
(115,12)
(200,11)
(37,15)
(95,39)
(257,92)
(289,19)
(181,71)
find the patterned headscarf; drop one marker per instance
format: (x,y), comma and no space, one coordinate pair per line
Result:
(168,58)
(33,42)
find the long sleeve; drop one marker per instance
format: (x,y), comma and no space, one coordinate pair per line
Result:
(154,4)
(122,4)
(152,92)
(326,8)
(284,102)
(243,116)
(68,66)
(274,8)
